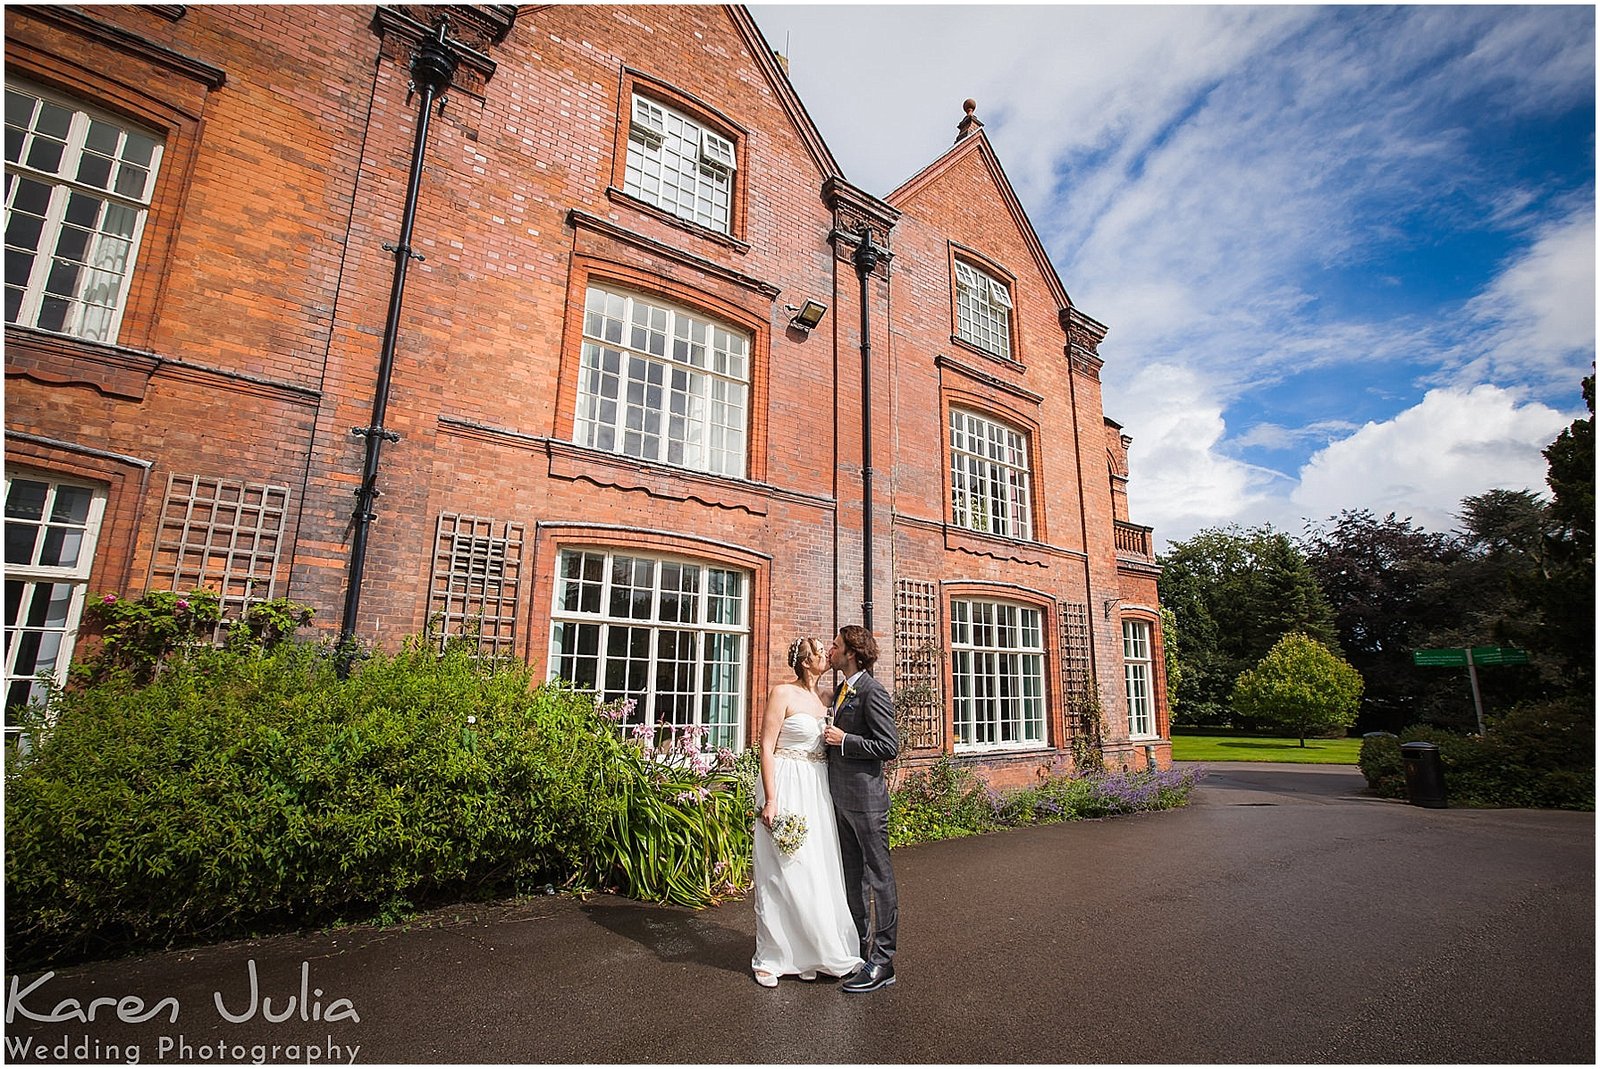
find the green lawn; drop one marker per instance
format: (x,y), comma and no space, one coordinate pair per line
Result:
(1257,748)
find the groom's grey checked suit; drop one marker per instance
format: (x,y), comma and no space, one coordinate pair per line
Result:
(861,801)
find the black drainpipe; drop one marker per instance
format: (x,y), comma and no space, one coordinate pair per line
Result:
(432,69)
(866,258)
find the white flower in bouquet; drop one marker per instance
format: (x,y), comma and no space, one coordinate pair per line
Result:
(788,831)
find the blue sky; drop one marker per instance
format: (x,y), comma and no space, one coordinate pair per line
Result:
(1347,254)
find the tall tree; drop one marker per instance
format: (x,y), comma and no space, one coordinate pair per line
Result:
(1492,596)
(1569,595)
(1374,573)
(1236,592)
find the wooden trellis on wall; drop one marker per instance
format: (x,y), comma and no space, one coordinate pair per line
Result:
(218,534)
(1077,678)
(919,676)
(477,572)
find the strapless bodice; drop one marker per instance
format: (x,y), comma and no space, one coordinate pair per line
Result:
(802,733)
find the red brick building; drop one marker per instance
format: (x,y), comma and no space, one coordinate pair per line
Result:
(611,444)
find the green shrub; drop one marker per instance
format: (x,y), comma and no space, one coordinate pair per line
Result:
(1380,763)
(242,791)
(943,801)
(1539,755)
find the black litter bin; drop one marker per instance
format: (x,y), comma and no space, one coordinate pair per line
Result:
(1424,774)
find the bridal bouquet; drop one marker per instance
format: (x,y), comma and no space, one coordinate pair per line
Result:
(788,831)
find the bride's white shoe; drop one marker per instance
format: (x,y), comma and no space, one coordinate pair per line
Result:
(766,979)
(809,974)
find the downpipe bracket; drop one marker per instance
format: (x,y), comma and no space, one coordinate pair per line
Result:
(389,246)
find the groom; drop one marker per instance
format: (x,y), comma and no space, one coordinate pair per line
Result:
(860,737)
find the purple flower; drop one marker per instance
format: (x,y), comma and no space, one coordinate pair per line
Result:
(109,599)
(182,605)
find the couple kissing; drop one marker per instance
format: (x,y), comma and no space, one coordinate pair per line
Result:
(823,885)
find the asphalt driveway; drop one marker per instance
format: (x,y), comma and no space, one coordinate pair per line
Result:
(1284,916)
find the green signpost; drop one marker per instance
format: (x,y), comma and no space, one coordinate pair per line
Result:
(1469,659)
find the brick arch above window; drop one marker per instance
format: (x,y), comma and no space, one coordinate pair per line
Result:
(678,158)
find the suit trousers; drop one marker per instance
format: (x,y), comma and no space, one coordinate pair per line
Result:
(869,881)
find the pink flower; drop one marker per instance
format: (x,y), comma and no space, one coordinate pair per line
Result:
(182,605)
(109,599)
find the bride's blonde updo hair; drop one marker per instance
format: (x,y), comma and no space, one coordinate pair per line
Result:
(800,651)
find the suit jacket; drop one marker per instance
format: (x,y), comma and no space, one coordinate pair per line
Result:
(855,769)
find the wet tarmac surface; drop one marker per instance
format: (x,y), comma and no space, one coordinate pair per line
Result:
(1283,916)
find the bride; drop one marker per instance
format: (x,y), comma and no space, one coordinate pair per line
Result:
(803,923)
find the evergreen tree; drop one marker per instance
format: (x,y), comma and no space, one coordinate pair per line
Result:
(1234,593)
(1569,594)
(1375,574)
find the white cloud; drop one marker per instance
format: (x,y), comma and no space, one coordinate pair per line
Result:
(1539,312)
(1277,437)
(1179,481)
(1454,444)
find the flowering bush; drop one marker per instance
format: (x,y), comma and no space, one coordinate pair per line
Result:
(681,832)
(946,801)
(140,635)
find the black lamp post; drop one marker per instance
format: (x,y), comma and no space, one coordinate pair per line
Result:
(433,67)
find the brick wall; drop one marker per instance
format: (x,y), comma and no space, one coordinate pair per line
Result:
(251,343)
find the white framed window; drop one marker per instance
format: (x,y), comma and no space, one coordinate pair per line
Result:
(1137,671)
(678,164)
(670,634)
(997,675)
(990,476)
(78,188)
(983,310)
(662,384)
(51,529)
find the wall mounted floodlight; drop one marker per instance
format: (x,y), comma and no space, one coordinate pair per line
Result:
(807,316)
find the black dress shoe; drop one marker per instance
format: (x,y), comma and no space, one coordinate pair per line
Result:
(869,978)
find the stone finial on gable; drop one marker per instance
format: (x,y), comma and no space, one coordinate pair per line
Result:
(971,123)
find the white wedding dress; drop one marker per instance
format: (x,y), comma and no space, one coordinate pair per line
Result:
(803,922)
